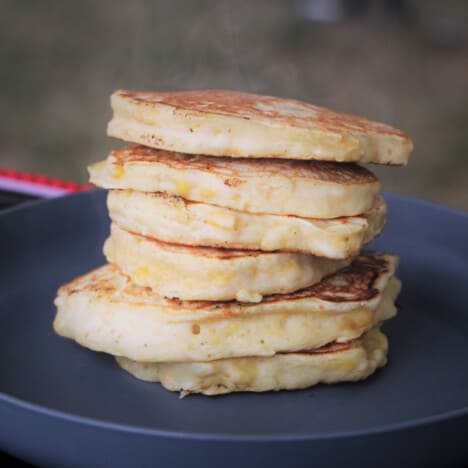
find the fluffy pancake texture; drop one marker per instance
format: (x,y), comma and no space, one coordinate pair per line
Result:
(204,273)
(310,189)
(351,361)
(176,220)
(231,123)
(104,311)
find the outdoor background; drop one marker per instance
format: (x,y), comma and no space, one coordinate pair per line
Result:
(400,62)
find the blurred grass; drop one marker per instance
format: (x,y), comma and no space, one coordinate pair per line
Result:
(61,60)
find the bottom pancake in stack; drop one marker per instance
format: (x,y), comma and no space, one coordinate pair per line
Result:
(335,362)
(324,333)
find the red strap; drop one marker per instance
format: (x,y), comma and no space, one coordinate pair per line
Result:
(41,179)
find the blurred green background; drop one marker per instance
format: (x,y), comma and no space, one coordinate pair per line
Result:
(400,62)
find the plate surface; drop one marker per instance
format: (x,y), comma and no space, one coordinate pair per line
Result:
(67,406)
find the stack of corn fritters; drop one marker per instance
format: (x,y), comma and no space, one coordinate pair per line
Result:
(234,253)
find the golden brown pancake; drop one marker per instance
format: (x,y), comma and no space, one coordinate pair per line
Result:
(213,274)
(310,189)
(231,123)
(103,310)
(175,220)
(336,362)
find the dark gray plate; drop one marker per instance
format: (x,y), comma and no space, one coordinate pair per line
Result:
(62,405)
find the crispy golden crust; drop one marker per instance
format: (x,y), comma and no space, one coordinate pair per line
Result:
(210,122)
(236,170)
(357,282)
(280,111)
(217,253)
(309,189)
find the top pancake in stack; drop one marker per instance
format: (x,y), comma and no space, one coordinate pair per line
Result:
(230,123)
(177,207)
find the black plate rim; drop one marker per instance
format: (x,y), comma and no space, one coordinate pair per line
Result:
(145,431)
